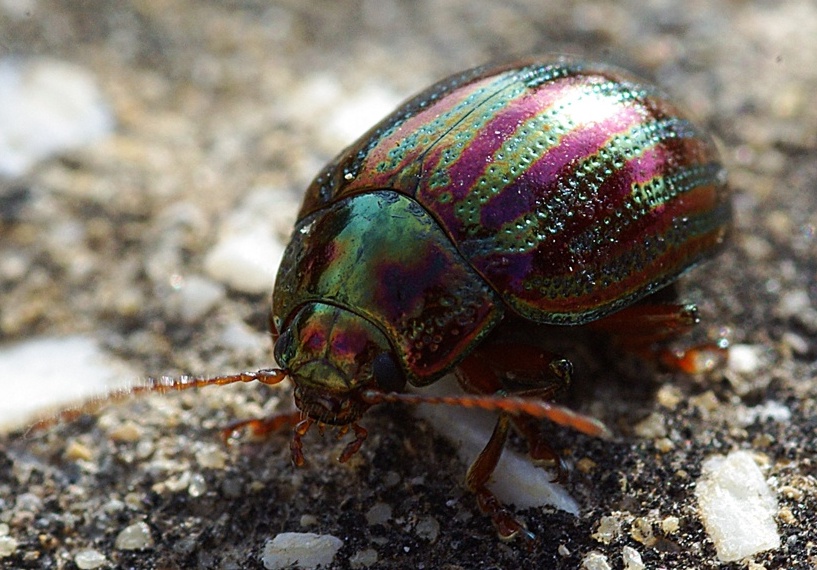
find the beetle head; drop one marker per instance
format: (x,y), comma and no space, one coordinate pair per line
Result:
(332,355)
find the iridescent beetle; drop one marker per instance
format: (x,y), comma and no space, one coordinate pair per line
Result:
(529,195)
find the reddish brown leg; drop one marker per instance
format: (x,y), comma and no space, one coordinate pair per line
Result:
(296,446)
(480,373)
(478,475)
(353,446)
(263,426)
(640,329)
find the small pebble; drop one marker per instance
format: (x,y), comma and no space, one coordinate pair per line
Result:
(302,549)
(211,457)
(134,537)
(128,431)
(363,558)
(198,485)
(197,297)
(89,559)
(737,506)
(608,530)
(670,525)
(632,559)
(595,561)
(378,514)
(744,358)
(641,531)
(77,451)
(248,251)
(46,107)
(651,427)
(8,546)
(308,520)
(428,529)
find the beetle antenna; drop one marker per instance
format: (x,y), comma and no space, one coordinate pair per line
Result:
(513,405)
(161,384)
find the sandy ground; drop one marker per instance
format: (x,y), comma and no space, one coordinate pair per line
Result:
(226,110)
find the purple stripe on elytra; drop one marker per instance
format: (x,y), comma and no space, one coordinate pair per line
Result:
(541,179)
(503,119)
(606,186)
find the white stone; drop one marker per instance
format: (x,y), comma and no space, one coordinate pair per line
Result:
(46,106)
(770,410)
(354,114)
(197,296)
(516,479)
(8,546)
(302,549)
(745,358)
(737,506)
(134,537)
(595,561)
(631,559)
(47,373)
(89,559)
(250,245)
(245,261)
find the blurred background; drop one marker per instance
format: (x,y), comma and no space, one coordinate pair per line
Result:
(153,156)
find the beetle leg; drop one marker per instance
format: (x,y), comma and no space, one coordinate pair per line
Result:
(476,374)
(640,329)
(296,446)
(522,364)
(353,446)
(478,475)
(262,426)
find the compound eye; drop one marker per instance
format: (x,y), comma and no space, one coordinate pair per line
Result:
(284,348)
(387,373)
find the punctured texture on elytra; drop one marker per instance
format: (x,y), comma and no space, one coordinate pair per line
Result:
(562,191)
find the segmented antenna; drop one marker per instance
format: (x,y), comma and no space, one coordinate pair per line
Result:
(513,405)
(162,384)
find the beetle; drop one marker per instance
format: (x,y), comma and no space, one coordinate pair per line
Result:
(526,196)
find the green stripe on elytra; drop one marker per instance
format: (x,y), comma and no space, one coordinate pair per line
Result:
(528,79)
(505,89)
(425,135)
(642,202)
(533,138)
(594,171)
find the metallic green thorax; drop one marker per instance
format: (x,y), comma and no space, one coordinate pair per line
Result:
(382,256)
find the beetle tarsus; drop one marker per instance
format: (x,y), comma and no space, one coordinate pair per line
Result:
(480,472)
(260,427)
(354,446)
(696,359)
(296,446)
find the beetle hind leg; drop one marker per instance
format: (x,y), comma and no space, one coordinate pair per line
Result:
(645,328)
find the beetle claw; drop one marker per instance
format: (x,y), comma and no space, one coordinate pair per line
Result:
(296,445)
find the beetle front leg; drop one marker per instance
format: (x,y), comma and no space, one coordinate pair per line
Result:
(478,475)
(353,446)
(262,426)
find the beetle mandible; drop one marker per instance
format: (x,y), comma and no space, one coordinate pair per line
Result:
(531,194)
